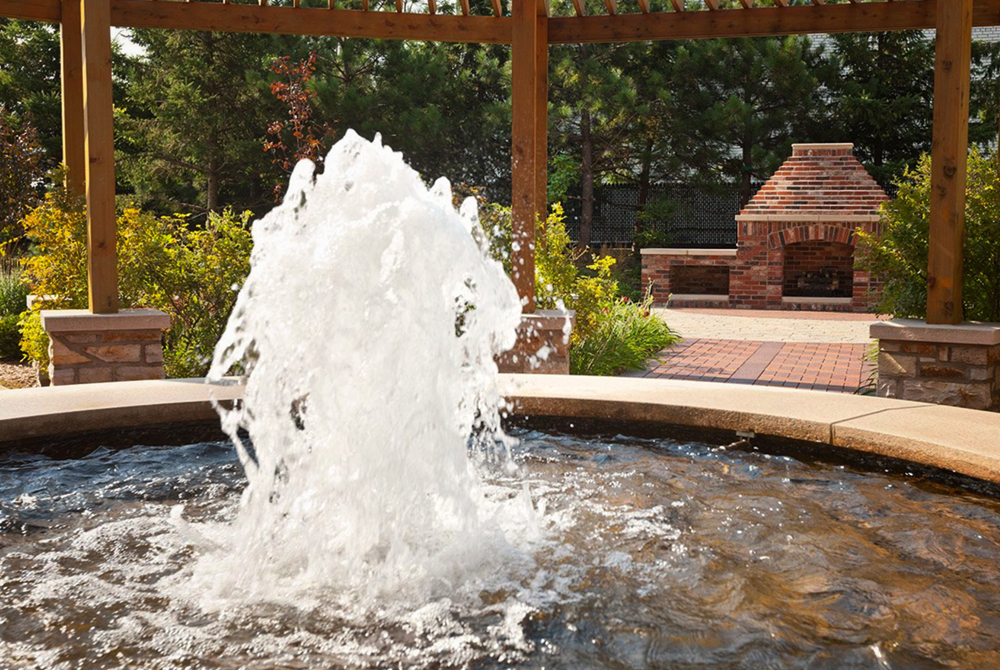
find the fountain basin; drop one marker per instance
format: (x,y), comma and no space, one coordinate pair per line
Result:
(660,552)
(966,442)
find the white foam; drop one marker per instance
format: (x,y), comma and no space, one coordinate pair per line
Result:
(370,322)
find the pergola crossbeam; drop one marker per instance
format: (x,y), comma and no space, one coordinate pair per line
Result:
(759,22)
(309,21)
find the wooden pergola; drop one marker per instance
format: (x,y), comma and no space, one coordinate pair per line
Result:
(529,28)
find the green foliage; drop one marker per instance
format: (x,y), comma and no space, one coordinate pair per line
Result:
(20,175)
(34,340)
(30,86)
(627,334)
(192,120)
(13,292)
(190,272)
(870,358)
(883,88)
(612,334)
(899,252)
(10,337)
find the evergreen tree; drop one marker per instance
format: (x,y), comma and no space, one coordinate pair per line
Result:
(30,89)
(882,89)
(738,104)
(193,127)
(593,117)
(444,106)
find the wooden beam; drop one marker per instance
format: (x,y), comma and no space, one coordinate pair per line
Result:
(950,146)
(102,257)
(759,22)
(310,21)
(525,41)
(31,10)
(580,6)
(71,47)
(497,8)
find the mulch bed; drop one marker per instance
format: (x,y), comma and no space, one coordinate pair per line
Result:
(14,375)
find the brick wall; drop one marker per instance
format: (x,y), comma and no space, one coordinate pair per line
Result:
(671,271)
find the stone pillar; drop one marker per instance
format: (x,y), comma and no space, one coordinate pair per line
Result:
(943,364)
(87,348)
(542,344)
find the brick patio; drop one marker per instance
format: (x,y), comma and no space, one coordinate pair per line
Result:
(834,367)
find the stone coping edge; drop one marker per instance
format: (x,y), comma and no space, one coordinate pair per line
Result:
(686,252)
(27,414)
(715,297)
(549,319)
(918,330)
(820,145)
(961,440)
(815,300)
(81,320)
(807,217)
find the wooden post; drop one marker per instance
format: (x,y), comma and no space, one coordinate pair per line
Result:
(948,160)
(71,43)
(102,257)
(524,147)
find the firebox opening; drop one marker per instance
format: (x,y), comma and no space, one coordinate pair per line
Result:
(700,280)
(818,269)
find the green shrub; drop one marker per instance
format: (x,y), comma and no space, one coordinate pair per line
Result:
(34,339)
(13,292)
(20,170)
(13,297)
(10,337)
(611,334)
(190,272)
(627,335)
(898,253)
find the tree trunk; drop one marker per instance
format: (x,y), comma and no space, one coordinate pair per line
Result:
(647,160)
(212,176)
(587,178)
(746,173)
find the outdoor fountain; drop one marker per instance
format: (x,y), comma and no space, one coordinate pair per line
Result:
(381,517)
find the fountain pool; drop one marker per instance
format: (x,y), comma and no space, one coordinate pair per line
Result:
(653,553)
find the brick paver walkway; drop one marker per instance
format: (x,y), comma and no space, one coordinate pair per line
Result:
(764,348)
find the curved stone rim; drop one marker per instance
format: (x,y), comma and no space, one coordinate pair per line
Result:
(963,441)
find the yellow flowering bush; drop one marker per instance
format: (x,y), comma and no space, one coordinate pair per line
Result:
(192,272)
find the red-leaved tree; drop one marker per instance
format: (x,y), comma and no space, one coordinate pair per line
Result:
(300,135)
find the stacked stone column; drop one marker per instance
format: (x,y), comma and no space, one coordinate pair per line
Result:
(88,348)
(943,364)
(542,344)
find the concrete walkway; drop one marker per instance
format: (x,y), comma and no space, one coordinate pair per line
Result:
(821,351)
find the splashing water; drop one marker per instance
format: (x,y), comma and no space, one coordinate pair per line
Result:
(369,326)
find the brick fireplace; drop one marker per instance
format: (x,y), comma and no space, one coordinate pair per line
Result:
(796,241)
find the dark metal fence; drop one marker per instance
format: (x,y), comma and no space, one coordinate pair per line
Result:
(694,217)
(685,216)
